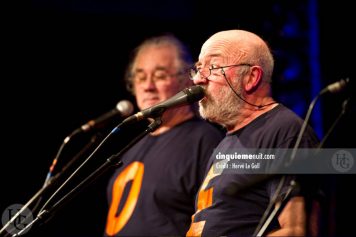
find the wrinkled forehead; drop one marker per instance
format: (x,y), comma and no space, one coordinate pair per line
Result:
(223,46)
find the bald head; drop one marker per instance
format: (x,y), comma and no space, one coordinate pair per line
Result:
(243,46)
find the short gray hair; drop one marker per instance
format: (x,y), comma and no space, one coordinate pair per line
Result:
(184,56)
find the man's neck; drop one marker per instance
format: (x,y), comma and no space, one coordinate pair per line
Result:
(250,113)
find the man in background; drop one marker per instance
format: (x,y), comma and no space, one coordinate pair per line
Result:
(154,192)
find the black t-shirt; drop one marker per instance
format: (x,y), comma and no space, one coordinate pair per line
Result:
(233,202)
(153,193)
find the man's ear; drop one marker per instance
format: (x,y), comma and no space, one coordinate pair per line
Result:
(253,79)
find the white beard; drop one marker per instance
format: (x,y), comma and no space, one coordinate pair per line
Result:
(222,108)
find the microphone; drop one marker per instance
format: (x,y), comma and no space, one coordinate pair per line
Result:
(123,108)
(336,86)
(186,96)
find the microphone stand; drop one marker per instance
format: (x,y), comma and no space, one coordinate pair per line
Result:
(337,120)
(267,219)
(113,161)
(50,182)
(279,203)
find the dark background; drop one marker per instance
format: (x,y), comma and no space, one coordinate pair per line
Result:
(63,64)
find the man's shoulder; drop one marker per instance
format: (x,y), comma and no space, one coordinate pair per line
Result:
(283,117)
(287,124)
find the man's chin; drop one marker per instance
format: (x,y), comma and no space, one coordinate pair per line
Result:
(149,104)
(206,111)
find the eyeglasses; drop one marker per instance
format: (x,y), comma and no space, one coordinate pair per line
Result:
(158,76)
(207,71)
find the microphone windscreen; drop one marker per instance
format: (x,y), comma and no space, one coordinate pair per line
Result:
(125,108)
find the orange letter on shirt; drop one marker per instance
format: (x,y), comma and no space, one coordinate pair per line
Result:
(116,222)
(205,200)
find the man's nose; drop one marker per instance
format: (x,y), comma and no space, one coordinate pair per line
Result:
(199,79)
(149,83)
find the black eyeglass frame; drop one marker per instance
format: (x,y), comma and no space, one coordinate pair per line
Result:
(194,70)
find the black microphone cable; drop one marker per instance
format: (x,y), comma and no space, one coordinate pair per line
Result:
(240,97)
